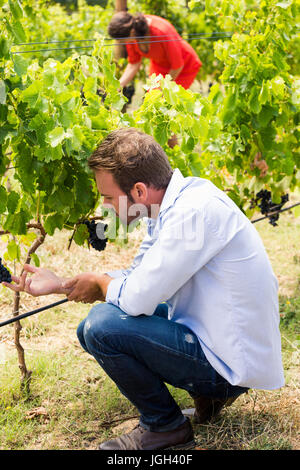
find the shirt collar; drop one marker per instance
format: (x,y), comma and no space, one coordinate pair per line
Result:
(177,182)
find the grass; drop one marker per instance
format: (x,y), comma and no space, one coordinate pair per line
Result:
(74,405)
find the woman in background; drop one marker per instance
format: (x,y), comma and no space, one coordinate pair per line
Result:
(155,38)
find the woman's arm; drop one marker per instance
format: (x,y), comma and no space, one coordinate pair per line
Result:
(129,73)
(175,72)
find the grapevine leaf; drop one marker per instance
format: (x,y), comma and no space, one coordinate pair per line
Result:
(15,9)
(284,5)
(18,31)
(160,134)
(4,48)
(81,234)
(35,259)
(263,96)
(228,113)
(254,103)
(56,136)
(3,199)
(28,239)
(12,201)
(2,92)
(31,94)
(20,65)
(278,87)
(296,211)
(13,251)
(265,115)
(200,127)
(53,222)
(16,223)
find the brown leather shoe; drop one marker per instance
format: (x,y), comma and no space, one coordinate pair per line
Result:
(208,408)
(141,439)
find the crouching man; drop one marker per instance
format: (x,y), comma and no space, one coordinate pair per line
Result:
(198,308)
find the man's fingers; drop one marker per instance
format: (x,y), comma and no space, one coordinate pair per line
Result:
(27,286)
(30,269)
(15,279)
(22,280)
(69,284)
(14,287)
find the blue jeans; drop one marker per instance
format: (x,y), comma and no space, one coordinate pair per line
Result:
(140,354)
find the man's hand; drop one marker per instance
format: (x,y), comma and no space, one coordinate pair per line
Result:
(87,287)
(175,72)
(43,282)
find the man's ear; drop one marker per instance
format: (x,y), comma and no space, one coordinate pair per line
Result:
(139,192)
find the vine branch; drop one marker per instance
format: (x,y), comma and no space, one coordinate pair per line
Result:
(25,373)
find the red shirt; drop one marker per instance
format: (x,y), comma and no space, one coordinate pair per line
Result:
(172,53)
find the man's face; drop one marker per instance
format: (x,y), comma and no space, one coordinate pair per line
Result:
(114,197)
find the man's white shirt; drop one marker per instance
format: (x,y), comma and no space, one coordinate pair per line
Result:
(204,258)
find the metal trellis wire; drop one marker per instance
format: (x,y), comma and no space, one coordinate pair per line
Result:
(190,37)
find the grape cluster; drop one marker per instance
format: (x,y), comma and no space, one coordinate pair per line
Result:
(266,205)
(97,237)
(128,92)
(4,273)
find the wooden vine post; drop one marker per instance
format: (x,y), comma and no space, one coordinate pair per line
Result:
(120,50)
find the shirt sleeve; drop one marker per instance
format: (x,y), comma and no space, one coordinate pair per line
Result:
(145,245)
(186,242)
(133,56)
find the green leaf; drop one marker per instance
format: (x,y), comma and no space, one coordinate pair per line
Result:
(278,87)
(245,133)
(15,9)
(296,211)
(188,144)
(265,116)
(200,127)
(18,31)
(160,134)
(209,10)
(264,96)
(13,251)
(2,92)
(53,222)
(12,201)
(31,94)
(228,112)
(16,223)
(56,136)
(20,65)
(28,239)
(284,5)
(35,259)
(81,234)
(3,199)
(4,48)
(254,103)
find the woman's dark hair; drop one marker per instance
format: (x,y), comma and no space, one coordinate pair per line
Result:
(123,22)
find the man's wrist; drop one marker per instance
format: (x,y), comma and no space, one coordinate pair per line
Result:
(103,282)
(61,289)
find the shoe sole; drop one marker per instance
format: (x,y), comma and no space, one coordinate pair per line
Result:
(187,445)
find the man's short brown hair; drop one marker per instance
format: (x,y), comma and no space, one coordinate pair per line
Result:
(132,156)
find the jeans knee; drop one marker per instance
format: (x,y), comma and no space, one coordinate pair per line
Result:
(80,334)
(102,320)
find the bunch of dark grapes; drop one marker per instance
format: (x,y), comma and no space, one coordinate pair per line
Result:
(4,273)
(128,92)
(97,234)
(266,205)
